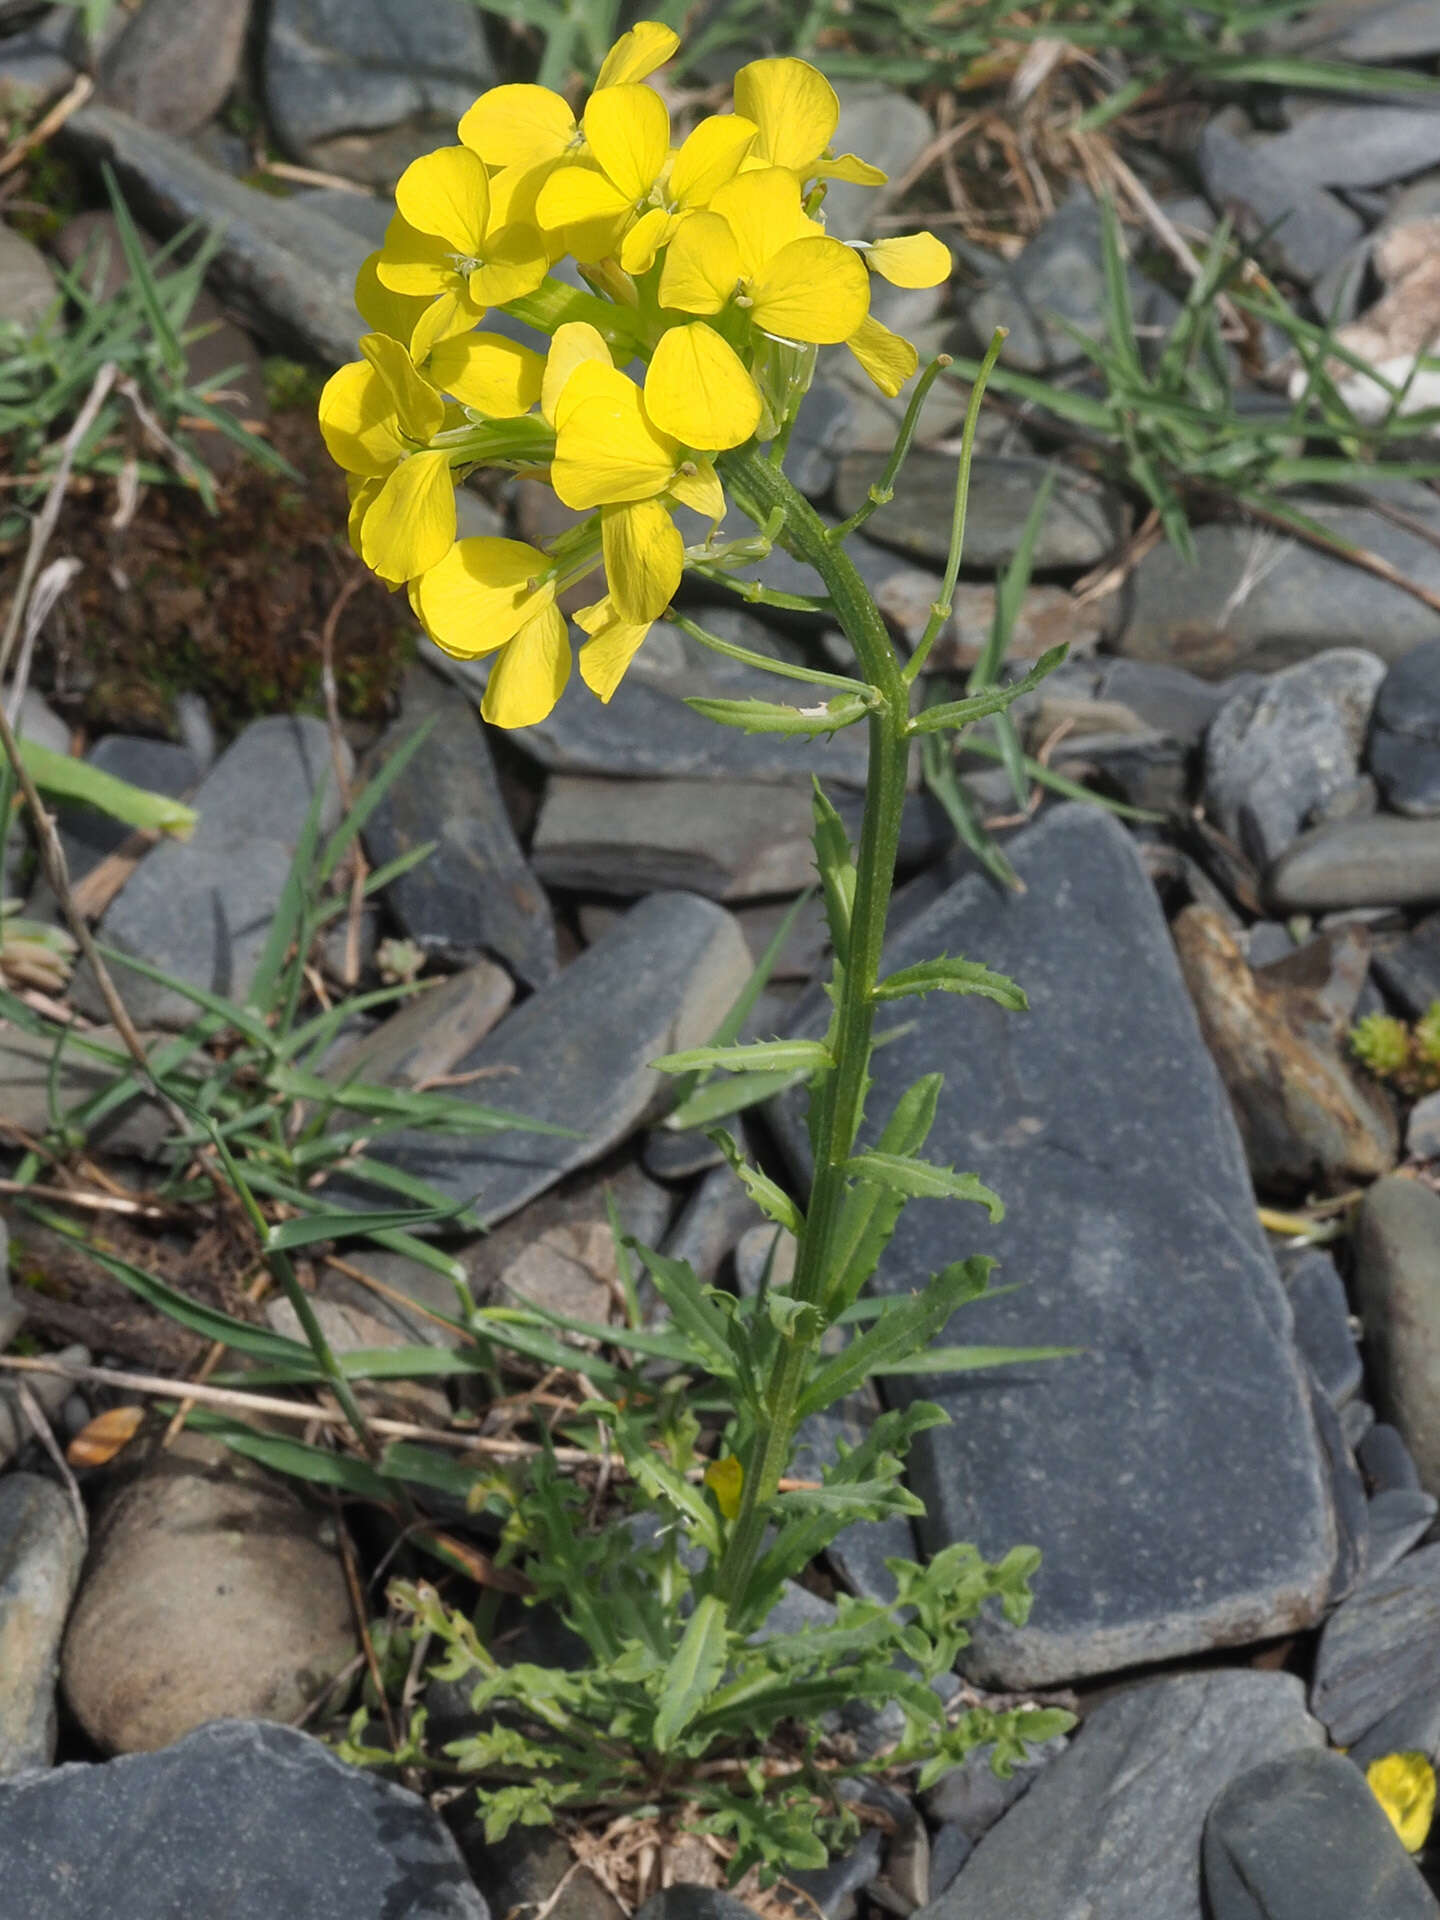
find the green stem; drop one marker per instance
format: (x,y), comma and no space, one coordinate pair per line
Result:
(759,488)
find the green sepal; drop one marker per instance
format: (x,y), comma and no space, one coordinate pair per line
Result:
(768,716)
(755,1056)
(919,1180)
(835,864)
(978,706)
(952,976)
(772,1200)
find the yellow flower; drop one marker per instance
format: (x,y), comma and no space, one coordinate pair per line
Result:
(755,245)
(495,376)
(384,311)
(527,126)
(487,595)
(636,54)
(443,243)
(1404,1784)
(613,644)
(886,357)
(608,450)
(908,259)
(376,416)
(796,110)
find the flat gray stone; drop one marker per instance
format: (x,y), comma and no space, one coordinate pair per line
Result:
(1384,861)
(1412,1728)
(1405,738)
(1335,143)
(254,1821)
(41,1552)
(1422,1129)
(288,271)
(429,1033)
(1277,750)
(1409,968)
(887,128)
(1311,228)
(474,893)
(1360,30)
(158,766)
(1397,1295)
(175,61)
(1099,1119)
(1379,1648)
(1322,1322)
(27,286)
(1302,1837)
(140,1127)
(1395,1521)
(1113,1826)
(577,1053)
(1082,524)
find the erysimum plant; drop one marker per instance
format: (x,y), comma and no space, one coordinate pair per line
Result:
(672,380)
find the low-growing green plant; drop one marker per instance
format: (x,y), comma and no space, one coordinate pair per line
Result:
(1407,1054)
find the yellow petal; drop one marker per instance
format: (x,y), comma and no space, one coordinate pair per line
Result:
(518,126)
(530,675)
(357,421)
(697,485)
(604,658)
(516,261)
(709,157)
(645,239)
(644,558)
(698,389)
(726,1478)
(382,309)
(451,313)
(637,54)
(813,290)
(411,522)
(447,193)
(418,407)
(764,213)
(480,594)
(485,371)
(849,166)
(1404,1784)
(628,129)
(910,260)
(578,193)
(574,344)
(413,262)
(606,451)
(363,494)
(886,357)
(702,266)
(793,105)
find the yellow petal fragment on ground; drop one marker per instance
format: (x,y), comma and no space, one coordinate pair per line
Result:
(357,420)
(628,129)
(910,260)
(518,126)
(480,594)
(644,558)
(516,261)
(702,266)
(813,290)
(488,372)
(636,54)
(418,407)
(575,344)
(697,486)
(763,211)
(411,524)
(709,157)
(381,308)
(447,193)
(794,106)
(1404,1784)
(699,391)
(530,675)
(606,450)
(649,234)
(726,1478)
(578,193)
(886,357)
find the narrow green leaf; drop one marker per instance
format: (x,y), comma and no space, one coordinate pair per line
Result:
(972,1359)
(919,1180)
(755,1056)
(765,716)
(870,1212)
(345,1224)
(720,1099)
(694,1672)
(903,1329)
(961,713)
(952,976)
(692,1308)
(772,1200)
(835,864)
(67,778)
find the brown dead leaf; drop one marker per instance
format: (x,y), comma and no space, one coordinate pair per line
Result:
(97,1444)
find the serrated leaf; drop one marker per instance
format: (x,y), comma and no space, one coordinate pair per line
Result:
(919,1180)
(767,716)
(721,1099)
(791,1318)
(835,864)
(952,976)
(978,706)
(772,1200)
(692,1310)
(698,1664)
(755,1056)
(903,1329)
(871,1211)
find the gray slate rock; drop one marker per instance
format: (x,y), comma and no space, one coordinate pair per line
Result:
(1322,1323)
(475,893)
(1058,272)
(972,1796)
(694,1903)
(286,270)
(1422,1129)
(1361,30)
(1395,1521)
(1113,1826)
(1312,229)
(1405,736)
(361,87)
(1409,968)
(201,909)
(1379,1648)
(577,1054)
(1412,1728)
(1281,748)
(159,766)
(1397,1295)
(41,1552)
(27,286)
(1387,1462)
(1303,1838)
(1083,522)
(175,61)
(1380,862)
(254,1821)
(1255,599)
(889,129)
(1100,1120)
(1334,143)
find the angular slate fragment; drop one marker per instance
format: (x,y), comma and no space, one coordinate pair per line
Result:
(1112,1827)
(474,893)
(156,765)
(1380,1647)
(248,1820)
(1304,1838)
(1322,1322)
(577,1054)
(1170,1471)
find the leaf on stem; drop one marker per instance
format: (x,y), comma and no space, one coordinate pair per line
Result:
(755,1056)
(903,1330)
(772,1200)
(835,863)
(978,706)
(765,716)
(952,976)
(919,1180)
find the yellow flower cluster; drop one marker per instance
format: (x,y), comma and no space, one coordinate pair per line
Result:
(711,275)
